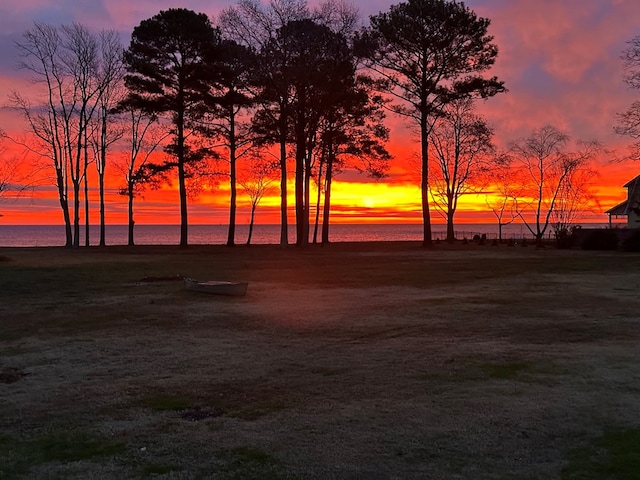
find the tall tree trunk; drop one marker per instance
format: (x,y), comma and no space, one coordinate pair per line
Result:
(87,222)
(318,200)
(253,214)
(301,153)
(451,234)
(64,205)
(232,180)
(184,242)
(103,240)
(86,191)
(307,197)
(75,182)
(131,222)
(76,210)
(284,222)
(424,187)
(103,164)
(327,201)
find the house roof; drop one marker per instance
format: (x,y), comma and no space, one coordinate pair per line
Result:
(620,209)
(633,199)
(631,182)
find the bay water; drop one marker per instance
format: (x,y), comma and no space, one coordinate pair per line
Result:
(53,235)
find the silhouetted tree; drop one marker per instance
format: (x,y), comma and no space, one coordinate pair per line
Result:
(168,72)
(629,121)
(504,189)
(428,53)
(287,116)
(461,151)
(256,181)
(226,119)
(68,61)
(548,175)
(575,197)
(352,134)
(8,169)
(316,61)
(106,132)
(15,176)
(253,25)
(145,135)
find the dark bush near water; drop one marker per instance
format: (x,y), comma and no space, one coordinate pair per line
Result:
(566,237)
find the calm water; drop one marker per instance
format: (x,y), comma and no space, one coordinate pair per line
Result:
(53,235)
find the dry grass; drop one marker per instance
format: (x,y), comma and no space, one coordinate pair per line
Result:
(348,361)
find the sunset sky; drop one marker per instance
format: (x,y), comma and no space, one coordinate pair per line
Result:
(559,60)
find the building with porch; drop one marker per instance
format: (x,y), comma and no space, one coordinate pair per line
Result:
(630,208)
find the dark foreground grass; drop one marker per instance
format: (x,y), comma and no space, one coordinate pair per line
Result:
(616,454)
(19,456)
(348,361)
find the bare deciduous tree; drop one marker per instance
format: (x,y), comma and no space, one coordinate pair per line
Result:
(106,132)
(257,180)
(547,169)
(461,150)
(629,121)
(574,198)
(144,136)
(503,192)
(67,61)
(12,176)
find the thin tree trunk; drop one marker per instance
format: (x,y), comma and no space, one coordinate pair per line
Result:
(307,198)
(299,186)
(284,223)
(64,205)
(76,212)
(232,180)
(131,222)
(319,198)
(103,240)
(253,213)
(86,192)
(86,213)
(451,234)
(75,180)
(103,164)
(327,201)
(424,187)
(184,242)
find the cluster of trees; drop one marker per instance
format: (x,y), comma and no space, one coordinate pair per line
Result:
(279,85)
(264,76)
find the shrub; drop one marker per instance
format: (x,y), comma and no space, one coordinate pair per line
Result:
(605,239)
(566,236)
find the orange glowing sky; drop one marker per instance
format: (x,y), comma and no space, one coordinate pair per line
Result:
(559,60)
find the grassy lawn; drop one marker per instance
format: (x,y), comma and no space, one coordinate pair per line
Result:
(350,361)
